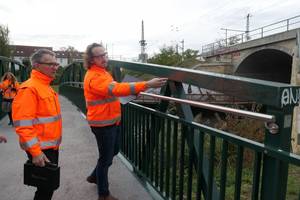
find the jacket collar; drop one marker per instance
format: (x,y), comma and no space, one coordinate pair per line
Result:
(42,78)
(97,68)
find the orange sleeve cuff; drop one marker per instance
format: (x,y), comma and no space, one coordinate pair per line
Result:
(35,151)
(140,86)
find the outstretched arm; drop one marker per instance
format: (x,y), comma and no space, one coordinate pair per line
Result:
(156,82)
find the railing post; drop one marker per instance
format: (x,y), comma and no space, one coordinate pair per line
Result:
(13,68)
(275,172)
(262,32)
(287,24)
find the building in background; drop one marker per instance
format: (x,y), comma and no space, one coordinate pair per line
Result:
(21,52)
(66,57)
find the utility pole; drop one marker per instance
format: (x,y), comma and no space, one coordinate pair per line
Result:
(182,45)
(248,26)
(182,48)
(143,55)
(225,35)
(246,32)
(176,48)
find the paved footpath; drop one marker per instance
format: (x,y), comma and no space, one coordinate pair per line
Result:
(78,155)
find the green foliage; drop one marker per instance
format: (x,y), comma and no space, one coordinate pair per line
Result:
(71,53)
(190,54)
(4,41)
(169,56)
(234,40)
(190,58)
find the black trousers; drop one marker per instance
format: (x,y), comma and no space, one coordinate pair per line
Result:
(9,111)
(45,193)
(108,141)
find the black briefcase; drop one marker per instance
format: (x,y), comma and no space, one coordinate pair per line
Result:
(48,176)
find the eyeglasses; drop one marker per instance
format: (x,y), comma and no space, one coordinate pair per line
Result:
(52,64)
(101,55)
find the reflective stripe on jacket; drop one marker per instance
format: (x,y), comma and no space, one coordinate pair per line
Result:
(9,90)
(101,95)
(36,114)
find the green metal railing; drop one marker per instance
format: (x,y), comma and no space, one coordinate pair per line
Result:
(18,69)
(182,159)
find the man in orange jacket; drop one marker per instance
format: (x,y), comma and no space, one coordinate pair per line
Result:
(104,111)
(37,117)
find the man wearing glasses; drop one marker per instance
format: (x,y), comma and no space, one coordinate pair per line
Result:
(37,116)
(104,111)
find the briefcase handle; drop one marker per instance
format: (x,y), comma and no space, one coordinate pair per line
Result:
(47,164)
(50,164)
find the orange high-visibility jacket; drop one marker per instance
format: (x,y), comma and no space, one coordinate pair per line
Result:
(36,114)
(101,92)
(9,90)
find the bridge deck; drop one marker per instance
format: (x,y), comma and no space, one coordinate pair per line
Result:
(78,155)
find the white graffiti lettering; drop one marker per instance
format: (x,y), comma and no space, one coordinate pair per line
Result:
(288,97)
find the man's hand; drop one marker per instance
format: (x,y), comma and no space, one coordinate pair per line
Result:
(40,160)
(3,139)
(156,82)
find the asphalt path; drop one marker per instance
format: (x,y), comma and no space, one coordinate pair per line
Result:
(78,156)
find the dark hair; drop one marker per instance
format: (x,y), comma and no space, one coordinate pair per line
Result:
(88,54)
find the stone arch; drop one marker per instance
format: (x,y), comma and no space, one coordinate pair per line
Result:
(270,63)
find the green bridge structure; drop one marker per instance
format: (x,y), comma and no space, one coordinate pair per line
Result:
(179,158)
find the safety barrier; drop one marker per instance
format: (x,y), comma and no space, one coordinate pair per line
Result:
(183,159)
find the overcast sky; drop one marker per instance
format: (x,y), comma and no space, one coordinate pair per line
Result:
(117,23)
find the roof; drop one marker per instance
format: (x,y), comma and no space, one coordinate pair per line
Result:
(65,54)
(26,51)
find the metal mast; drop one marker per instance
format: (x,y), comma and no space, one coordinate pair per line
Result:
(143,56)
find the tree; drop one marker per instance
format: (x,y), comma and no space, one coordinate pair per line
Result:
(71,53)
(234,40)
(4,41)
(190,54)
(169,56)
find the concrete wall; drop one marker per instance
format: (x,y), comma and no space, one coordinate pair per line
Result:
(295,80)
